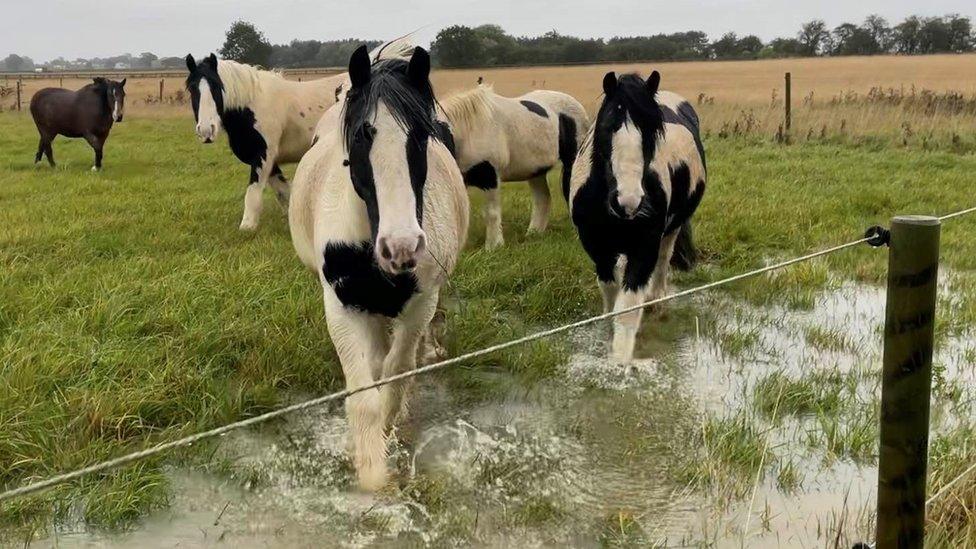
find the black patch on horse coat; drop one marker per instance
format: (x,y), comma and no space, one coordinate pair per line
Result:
(534,108)
(482,176)
(606,235)
(687,117)
(245,140)
(359,283)
(567,150)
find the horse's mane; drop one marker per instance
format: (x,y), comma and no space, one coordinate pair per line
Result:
(242,83)
(470,109)
(413,109)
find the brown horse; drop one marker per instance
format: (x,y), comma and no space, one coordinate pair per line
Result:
(88,112)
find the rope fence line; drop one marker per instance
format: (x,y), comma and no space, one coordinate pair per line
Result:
(948,486)
(872,238)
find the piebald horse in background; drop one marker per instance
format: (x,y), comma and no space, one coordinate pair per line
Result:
(640,176)
(379,211)
(514,139)
(269,120)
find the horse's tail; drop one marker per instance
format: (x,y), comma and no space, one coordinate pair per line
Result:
(685,255)
(568,144)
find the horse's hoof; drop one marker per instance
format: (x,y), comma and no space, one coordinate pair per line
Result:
(249,226)
(95,168)
(494,244)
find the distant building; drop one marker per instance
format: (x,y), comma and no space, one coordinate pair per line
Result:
(122,66)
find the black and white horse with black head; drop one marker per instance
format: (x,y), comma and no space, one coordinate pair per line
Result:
(379,211)
(269,120)
(640,176)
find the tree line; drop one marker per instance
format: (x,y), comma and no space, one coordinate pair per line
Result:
(491,45)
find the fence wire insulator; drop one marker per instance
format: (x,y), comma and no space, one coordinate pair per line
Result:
(878,236)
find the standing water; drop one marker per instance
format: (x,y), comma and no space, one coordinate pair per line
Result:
(756,429)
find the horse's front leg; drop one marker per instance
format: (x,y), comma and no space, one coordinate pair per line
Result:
(637,274)
(254,198)
(280,186)
(659,280)
(606,279)
(541,201)
(97,143)
(359,341)
(408,330)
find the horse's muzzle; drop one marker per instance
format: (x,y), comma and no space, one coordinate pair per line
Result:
(398,255)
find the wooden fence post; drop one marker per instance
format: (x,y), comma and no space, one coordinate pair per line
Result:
(20,83)
(789,102)
(906,381)
(61,81)
(161,80)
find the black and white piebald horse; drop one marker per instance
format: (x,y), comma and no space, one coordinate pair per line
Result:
(639,177)
(269,120)
(380,212)
(514,139)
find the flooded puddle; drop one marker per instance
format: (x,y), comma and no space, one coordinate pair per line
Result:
(672,451)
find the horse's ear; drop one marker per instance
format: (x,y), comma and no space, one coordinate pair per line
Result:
(98,80)
(122,83)
(419,68)
(653,82)
(213,61)
(359,67)
(191,63)
(609,83)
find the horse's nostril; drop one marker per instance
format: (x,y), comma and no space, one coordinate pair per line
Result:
(385,250)
(408,264)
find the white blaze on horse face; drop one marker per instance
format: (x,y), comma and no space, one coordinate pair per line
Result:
(399,237)
(627,161)
(116,106)
(208,119)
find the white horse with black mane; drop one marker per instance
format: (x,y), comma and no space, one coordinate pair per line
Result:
(640,175)
(379,211)
(514,139)
(269,120)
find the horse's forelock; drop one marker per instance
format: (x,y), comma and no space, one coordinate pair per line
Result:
(412,108)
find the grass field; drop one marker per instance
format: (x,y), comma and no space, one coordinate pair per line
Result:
(132,311)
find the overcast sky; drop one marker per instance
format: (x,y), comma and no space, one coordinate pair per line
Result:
(89,28)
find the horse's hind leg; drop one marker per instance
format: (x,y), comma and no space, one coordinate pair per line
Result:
(280,186)
(360,343)
(540,204)
(44,148)
(41,148)
(493,218)
(49,152)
